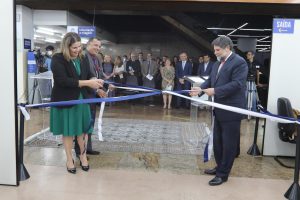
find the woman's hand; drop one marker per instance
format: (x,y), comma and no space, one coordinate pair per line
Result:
(92,83)
(95,83)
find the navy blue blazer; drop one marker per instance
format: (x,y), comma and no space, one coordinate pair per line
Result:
(230,86)
(188,68)
(207,72)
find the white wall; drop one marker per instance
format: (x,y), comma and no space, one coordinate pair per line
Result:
(7,107)
(284,82)
(24,30)
(49,17)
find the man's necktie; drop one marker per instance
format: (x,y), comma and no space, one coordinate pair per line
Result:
(148,67)
(221,65)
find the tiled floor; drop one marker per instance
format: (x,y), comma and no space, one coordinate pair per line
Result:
(50,182)
(124,175)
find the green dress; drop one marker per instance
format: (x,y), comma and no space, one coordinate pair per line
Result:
(71,121)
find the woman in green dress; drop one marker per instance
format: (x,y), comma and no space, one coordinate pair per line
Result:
(168,75)
(72,81)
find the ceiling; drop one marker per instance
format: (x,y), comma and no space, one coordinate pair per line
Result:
(207,19)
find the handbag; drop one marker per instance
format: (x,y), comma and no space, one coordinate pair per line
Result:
(169,87)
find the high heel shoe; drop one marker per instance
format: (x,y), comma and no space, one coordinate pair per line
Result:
(72,170)
(84,168)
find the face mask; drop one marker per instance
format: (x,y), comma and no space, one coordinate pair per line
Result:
(49,53)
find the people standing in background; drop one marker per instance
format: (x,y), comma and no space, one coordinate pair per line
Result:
(196,66)
(183,68)
(149,69)
(72,81)
(141,58)
(168,75)
(206,66)
(108,67)
(157,76)
(252,80)
(133,69)
(48,57)
(119,70)
(124,60)
(253,67)
(175,60)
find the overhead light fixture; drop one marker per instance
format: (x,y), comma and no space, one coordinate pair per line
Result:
(264,41)
(264,38)
(219,28)
(263,45)
(237,29)
(255,29)
(44,32)
(51,40)
(254,36)
(263,49)
(242,29)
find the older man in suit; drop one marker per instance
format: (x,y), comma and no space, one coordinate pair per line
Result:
(149,69)
(92,59)
(206,66)
(183,68)
(227,84)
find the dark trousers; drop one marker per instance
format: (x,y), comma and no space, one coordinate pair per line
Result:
(179,100)
(226,140)
(89,142)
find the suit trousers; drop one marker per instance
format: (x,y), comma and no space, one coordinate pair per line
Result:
(226,140)
(185,86)
(89,142)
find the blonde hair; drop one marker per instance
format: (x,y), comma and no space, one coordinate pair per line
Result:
(68,40)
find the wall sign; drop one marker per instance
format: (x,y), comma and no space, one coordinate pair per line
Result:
(283,26)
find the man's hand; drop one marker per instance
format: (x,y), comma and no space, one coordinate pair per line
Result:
(101,93)
(111,87)
(195,91)
(181,80)
(209,91)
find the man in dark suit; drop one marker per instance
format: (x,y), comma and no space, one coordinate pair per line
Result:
(92,60)
(183,68)
(149,69)
(133,69)
(227,84)
(205,67)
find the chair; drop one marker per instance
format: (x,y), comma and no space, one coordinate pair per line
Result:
(286,131)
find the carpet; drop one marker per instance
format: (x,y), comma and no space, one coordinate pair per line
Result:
(131,135)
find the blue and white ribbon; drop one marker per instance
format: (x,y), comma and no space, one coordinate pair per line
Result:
(151,92)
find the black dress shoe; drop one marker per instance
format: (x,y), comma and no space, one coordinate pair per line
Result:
(210,171)
(217,181)
(91,152)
